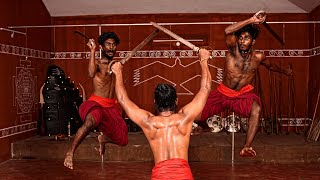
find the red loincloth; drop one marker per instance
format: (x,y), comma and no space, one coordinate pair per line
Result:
(172,169)
(107,115)
(223,98)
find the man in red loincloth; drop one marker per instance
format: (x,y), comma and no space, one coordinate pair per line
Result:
(101,109)
(169,132)
(240,67)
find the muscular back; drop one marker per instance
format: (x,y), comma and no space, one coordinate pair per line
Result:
(169,137)
(103,82)
(168,133)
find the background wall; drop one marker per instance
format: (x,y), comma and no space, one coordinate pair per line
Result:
(294,35)
(21,79)
(314,64)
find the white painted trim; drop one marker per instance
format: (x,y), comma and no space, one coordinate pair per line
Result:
(163,24)
(13,31)
(14,130)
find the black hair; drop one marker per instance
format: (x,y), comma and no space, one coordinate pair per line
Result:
(107,35)
(165,97)
(252,29)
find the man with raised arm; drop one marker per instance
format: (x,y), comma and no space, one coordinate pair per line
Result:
(168,132)
(240,67)
(101,109)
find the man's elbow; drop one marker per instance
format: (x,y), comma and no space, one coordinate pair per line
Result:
(207,85)
(91,75)
(227,31)
(120,98)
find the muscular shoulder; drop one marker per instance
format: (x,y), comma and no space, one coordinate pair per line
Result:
(259,55)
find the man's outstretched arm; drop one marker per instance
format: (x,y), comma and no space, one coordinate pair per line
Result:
(273,67)
(136,114)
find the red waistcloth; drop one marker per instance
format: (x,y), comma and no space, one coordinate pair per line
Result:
(172,169)
(223,98)
(107,115)
(233,93)
(105,102)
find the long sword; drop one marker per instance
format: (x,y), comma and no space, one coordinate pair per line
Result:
(170,33)
(136,49)
(274,34)
(81,34)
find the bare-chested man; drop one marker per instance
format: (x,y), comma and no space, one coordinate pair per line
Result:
(101,109)
(169,132)
(240,67)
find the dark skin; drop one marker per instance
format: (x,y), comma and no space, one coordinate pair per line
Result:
(241,64)
(168,132)
(104,86)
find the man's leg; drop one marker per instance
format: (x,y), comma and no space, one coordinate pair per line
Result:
(82,132)
(103,139)
(253,125)
(113,129)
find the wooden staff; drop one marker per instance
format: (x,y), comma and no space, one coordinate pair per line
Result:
(136,49)
(315,129)
(275,104)
(314,114)
(271,102)
(306,113)
(289,105)
(293,101)
(280,103)
(317,132)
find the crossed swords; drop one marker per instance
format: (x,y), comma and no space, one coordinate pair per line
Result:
(175,36)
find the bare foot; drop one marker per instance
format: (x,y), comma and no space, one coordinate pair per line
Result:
(68,161)
(102,142)
(248,152)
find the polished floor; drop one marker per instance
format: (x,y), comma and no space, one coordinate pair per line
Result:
(54,169)
(206,147)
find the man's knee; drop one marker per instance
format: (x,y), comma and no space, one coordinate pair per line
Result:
(120,137)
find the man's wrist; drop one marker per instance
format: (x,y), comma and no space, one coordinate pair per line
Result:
(204,59)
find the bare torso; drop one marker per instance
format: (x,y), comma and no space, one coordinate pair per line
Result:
(240,71)
(168,137)
(103,82)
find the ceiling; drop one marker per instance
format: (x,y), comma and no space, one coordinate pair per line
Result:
(111,7)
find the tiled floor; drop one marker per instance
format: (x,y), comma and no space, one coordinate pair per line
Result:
(54,169)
